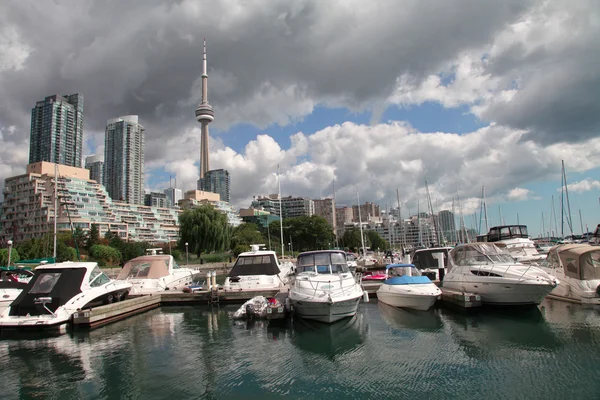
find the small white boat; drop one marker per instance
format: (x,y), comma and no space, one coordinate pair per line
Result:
(491,272)
(57,291)
(155,273)
(577,266)
(12,282)
(405,287)
(258,270)
(324,289)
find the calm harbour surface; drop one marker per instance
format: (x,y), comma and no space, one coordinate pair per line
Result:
(549,352)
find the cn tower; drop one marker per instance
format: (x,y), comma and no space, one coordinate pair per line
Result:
(205,115)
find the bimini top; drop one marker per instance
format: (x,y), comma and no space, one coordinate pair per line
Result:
(580,261)
(479,253)
(146,267)
(255,263)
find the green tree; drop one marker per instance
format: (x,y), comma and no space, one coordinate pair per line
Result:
(105,254)
(303,233)
(93,236)
(204,229)
(245,235)
(376,241)
(14,256)
(351,239)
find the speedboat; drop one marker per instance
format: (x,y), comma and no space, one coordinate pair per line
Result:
(324,289)
(577,266)
(57,291)
(258,270)
(12,282)
(489,271)
(427,262)
(405,287)
(517,242)
(377,276)
(155,272)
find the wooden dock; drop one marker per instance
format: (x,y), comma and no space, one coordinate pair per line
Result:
(106,314)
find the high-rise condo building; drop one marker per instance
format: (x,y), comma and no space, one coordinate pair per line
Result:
(124,159)
(95,164)
(216,181)
(57,130)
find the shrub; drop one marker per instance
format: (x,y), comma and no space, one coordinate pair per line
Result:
(105,254)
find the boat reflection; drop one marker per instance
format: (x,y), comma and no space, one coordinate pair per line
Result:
(401,319)
(492,330)
(329,340)
(572,322)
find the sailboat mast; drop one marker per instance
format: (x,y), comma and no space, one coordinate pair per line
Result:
(581,222)
(362,238)
(55,207)
(400,219)
(280,214)
(487,228)
(334,216)
(570,220)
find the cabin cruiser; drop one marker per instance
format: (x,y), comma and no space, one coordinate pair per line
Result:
(517,242)
(427,261)
(155,272)
(57,291)
(489,271)
(351,261)
(324,289)
(578,268)
(405,287)
(258,270)
(12,282)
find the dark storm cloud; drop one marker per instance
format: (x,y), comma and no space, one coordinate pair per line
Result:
(142,57)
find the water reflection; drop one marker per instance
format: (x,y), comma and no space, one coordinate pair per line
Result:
(398,318)
(573,322)
(487,330)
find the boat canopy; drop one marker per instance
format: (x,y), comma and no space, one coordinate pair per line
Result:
(428,258)
(255,264)
(580,261)
(407,280)
(497,233)
(146,267)
(59,284)
(322,262)
(479,253)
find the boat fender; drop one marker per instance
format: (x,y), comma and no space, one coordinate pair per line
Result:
(288,305)
(366,296)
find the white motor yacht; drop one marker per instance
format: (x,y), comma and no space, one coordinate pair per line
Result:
(351,261)
(324,289)
(577,266)
(57,291)
(517,242)
(428,263)
(155,273)
(405,287)
(487,270)
(257,270)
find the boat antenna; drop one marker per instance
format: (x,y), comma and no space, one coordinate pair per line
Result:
(280,214)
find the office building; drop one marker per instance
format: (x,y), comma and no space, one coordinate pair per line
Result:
(326,208)
(124,159)
(173,196)
(57,130)
(156,199)
(216,181)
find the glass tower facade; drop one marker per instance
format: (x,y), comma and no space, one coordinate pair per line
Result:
(216,181)
(57,130)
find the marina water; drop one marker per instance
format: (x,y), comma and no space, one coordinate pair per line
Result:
(549,352)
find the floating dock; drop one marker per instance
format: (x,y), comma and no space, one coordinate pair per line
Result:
(106,314)
(465,300)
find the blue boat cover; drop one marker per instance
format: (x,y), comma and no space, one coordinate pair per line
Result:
(407,280)
(398,265)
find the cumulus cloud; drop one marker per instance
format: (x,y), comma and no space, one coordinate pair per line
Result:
(519,194)
(584,185)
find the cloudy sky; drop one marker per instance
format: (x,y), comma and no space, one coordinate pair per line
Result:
(377,96)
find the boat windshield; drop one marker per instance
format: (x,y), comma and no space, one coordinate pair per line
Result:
(590,265)
(401,271)
(480,253)
(322,263)
(98,278)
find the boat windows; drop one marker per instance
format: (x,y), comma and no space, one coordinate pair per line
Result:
(322,269)
(250,260)
(401,271)
(590,265)
(45,283)
(98,278)
(505,233)
(484,273)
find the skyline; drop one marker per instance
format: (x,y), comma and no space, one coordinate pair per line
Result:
(376,97)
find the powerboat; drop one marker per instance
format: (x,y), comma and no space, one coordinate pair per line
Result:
(57,291)
(490,271)
(578,268)
(258,270)
(155,272)
(12,282)
(324,289)
(405,287)
(351,261)
(517,242)
(377,276)
(427,261)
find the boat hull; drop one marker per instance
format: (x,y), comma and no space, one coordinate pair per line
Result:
(504,293)
(325,311)
(399,297)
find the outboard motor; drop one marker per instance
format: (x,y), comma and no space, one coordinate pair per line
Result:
(250,313)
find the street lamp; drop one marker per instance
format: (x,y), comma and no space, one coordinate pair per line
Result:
(187,256)
(291,252)
(9,251)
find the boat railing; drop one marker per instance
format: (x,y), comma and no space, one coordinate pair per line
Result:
(315,285)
